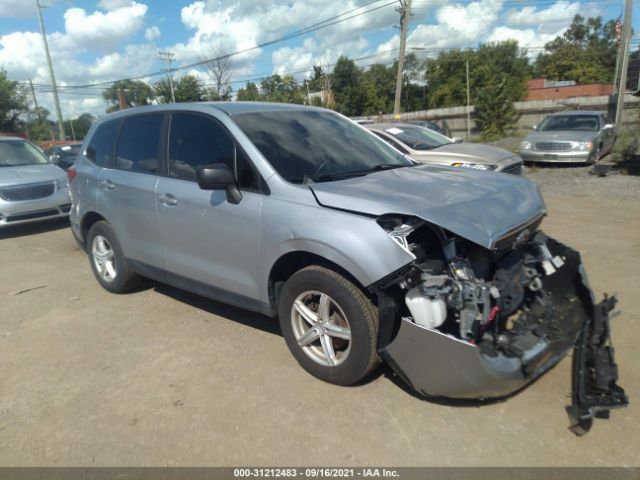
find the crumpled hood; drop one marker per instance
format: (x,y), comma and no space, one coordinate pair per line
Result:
(29,174)
(475,150)
(561,136)
(478,206)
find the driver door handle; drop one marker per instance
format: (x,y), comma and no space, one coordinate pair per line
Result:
(168,199)
(107,185)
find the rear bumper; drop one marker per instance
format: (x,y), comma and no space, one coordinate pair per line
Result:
(557,157)
(56,205)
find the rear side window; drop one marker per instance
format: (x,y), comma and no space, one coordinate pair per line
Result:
(100,148)
(138,147)
(197,140)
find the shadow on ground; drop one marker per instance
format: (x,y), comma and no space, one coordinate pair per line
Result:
(25,229)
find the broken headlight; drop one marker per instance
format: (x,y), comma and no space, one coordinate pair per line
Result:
(399,228)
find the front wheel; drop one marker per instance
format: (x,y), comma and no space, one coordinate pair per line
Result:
(329,324)
(107,260)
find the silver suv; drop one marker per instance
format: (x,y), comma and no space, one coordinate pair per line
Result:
(364,255)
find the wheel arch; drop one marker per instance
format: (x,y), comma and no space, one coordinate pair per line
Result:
(88,220)
(295,260)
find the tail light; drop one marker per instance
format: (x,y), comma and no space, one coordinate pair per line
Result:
(71,174)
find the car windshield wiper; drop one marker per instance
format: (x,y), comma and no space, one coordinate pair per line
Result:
(378,168)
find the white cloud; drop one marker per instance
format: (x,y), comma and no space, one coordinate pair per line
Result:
(114,4)
(104,30)
(152,33)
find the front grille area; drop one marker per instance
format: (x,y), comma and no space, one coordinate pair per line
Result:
(514,169)
(553,146)
(31,191)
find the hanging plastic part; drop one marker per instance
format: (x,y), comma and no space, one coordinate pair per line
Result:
(595,373)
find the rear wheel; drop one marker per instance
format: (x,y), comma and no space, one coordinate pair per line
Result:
(329,324)
(107,260)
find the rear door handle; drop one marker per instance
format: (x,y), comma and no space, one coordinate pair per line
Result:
(107,185)
(168,199)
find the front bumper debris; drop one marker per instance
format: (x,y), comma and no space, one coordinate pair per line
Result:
(436,363)
(595,373)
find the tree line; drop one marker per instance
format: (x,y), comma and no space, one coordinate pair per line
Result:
(498,72)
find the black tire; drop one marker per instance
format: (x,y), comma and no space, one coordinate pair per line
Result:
(362,317)
(125,279)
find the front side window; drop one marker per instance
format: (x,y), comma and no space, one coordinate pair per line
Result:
(17,153)
(418,138)
(197,140)
(100,148)
(138,147)
(312,145)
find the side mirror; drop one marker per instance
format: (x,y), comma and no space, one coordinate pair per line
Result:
(608,126)
(534,127)
(218,176)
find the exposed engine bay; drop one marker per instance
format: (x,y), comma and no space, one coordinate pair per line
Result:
(483,323)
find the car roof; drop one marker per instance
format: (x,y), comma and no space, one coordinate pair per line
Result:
(578,112)
(384,126)
(230,108)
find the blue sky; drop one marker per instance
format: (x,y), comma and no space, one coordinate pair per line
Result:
(101,41)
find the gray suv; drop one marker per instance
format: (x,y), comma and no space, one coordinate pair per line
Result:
(298,212)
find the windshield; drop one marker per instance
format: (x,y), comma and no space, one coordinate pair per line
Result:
(584,123)
(16,153)
(317,145)
(418,138)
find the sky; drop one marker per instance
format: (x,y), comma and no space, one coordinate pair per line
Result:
(96,42)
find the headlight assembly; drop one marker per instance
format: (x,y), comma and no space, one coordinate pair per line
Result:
(475,166)
(399,228)
(525,145)
(61,183)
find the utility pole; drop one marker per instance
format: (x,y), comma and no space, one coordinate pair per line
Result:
(468,105)
(405,13)
(35,99)
(122,102)
(168,57)
(622,83)
(56,101)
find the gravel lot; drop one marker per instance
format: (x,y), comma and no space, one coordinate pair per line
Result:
(162,377)
(576,181)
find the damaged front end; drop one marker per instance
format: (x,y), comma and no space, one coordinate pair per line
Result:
(481,323)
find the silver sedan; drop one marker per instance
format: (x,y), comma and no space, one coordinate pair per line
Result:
(426,146)
(570,137)
(31,187)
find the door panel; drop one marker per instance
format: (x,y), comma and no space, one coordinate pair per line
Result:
(208,239)
(128,202)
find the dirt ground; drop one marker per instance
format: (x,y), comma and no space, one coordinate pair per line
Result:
(162,377)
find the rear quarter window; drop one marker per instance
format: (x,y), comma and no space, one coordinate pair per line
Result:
(100,148)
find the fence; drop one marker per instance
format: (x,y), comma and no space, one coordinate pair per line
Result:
(530,113)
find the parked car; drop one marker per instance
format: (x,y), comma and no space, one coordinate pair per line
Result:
(63,155)
(426,146)
(297,212)
(570,137)
(31,188)
(431,125)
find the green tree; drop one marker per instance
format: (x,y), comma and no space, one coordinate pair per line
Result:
(345,81)
(490,64)
(186,89)
(249,93)
(136,93)
(585,52)
(12,103)
(378,84)
(495,113)
(81,125)
(40,127)
(284,89)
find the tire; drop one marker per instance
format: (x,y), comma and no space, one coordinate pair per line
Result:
(347,310)
(107,260)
